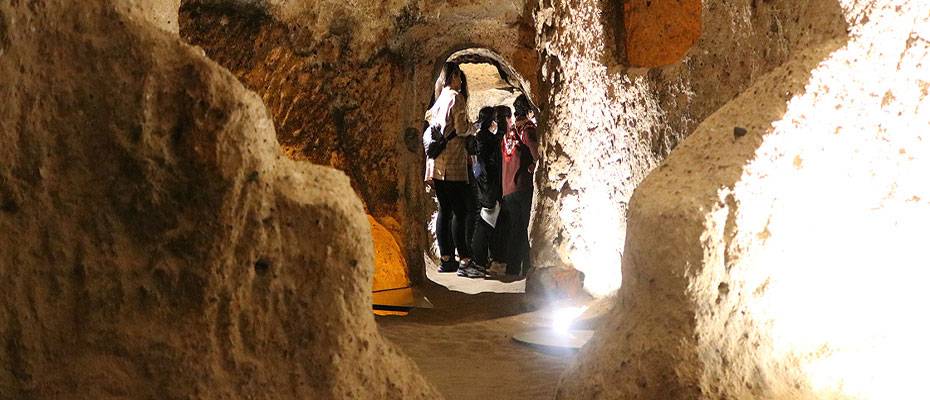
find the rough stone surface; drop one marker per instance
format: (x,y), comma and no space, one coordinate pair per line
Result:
(606,126)
(155,243)
(785,263)
(161,13)
(390,266)
(659,32)
(348,86)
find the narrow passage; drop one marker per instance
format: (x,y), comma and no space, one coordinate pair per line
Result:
(464,345)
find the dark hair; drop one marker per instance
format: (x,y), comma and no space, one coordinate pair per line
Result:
(502,113)
(485,118)
(450,70)
(522,106)
(464,89)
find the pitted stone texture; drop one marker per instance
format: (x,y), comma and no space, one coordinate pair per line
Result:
(161,13)
(785,264)
(162,247)
(605,127)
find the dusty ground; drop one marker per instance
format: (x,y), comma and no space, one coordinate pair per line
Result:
(464,345)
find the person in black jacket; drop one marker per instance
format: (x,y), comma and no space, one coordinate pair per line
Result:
(487,171)
(504,117)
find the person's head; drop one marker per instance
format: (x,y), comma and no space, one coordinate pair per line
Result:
(504,117)
(522,107)
(452,76)
(487,120)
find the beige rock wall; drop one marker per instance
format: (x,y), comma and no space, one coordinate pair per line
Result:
(156,244)
(786,263)
(161,13)
(607,125)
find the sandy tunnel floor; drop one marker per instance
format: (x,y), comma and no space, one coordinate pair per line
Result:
(464,345)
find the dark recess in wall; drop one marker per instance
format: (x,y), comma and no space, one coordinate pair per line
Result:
(615,29)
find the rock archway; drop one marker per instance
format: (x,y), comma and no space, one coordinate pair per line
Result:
(506,70)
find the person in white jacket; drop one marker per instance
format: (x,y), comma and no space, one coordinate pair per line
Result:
(447,167)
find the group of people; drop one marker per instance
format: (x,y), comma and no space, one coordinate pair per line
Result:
(482,175)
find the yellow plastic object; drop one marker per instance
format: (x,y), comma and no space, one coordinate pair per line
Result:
(384,313)
(390,265)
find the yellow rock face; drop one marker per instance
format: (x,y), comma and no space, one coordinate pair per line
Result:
(660,32)
(390,265)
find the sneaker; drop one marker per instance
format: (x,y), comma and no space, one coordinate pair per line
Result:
(471,270)
(481,268)
(449,265)
(461,268)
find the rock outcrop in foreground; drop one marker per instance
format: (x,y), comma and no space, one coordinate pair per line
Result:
(155,244)
(786,260)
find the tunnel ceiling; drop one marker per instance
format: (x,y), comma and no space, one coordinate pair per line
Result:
(506,70)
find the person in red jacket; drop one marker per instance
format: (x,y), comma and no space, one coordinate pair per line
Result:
(520,151)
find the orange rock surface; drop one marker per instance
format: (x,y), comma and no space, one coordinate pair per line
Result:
(390,265)
(660,32)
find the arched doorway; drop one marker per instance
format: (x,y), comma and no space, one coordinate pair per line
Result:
(491,81)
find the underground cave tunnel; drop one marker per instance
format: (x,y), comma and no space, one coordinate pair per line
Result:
(199,197)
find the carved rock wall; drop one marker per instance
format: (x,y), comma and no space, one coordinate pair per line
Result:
(784,263)
(607,125)
(156,244)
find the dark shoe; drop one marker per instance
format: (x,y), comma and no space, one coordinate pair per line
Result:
(471,270)
(462,267)
(449,265)
(476,269)
(481,268)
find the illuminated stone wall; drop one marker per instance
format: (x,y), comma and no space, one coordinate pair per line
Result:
(607,125)
(786,263)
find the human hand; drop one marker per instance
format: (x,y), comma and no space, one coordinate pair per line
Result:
(435,132)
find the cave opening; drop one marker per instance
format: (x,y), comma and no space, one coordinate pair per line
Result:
(490,81)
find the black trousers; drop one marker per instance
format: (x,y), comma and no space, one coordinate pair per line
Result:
(482,242)
(517,206)
(452,218)
(499,237)
(472,208)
